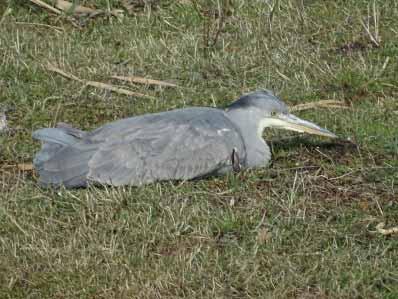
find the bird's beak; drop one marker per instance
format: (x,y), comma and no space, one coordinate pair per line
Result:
(293,123)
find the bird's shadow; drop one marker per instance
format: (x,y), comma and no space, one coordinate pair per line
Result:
(291,142)
(335,148)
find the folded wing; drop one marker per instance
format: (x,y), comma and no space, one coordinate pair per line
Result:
(142,150)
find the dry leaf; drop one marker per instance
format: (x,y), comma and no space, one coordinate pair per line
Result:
(25,166)
(141,80)
(389,231)
(263,235)
(364,205)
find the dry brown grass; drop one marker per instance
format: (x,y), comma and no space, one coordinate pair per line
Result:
(303,228)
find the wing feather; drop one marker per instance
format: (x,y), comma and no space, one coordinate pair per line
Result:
(164,148)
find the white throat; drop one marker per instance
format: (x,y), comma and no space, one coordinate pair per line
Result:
(267,123)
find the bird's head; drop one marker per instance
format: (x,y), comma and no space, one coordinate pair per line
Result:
(269,111)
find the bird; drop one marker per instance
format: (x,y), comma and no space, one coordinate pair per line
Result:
(181,144)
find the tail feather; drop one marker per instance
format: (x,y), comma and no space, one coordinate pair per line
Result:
(63,158)
(55,135)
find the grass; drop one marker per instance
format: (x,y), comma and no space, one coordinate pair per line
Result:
(303,228)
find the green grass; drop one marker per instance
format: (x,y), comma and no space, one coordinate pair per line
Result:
(303,228)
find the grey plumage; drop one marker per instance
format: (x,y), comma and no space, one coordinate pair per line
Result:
(180,144)
(139,150)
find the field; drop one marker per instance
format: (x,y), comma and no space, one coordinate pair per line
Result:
(303,228)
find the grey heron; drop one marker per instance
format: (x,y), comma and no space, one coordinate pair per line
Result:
(180,144)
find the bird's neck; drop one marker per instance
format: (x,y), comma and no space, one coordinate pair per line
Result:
(257,151)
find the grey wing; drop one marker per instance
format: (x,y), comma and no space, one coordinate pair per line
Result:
(164,151)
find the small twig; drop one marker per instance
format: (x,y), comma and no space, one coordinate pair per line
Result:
(56,28)
(52,68)
(54,10)
(46,6)
(116,89)
(90,12)
(220,25)
(141,80)
(211,32)
(77,10)
(374,37)
(282,75)
(319,104)
(96,84)
(72,7)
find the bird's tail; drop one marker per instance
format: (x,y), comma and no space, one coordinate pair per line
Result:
(63,158)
